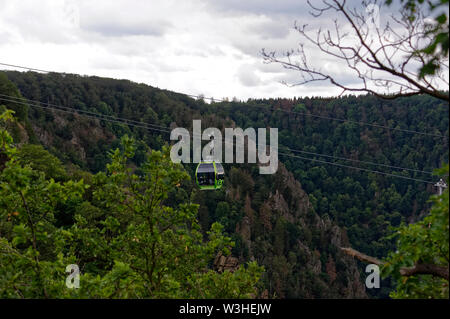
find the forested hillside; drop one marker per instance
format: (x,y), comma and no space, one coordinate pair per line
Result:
(292,222)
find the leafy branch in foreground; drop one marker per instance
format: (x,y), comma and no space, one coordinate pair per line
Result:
(420,264)
(405,57)
(127,241)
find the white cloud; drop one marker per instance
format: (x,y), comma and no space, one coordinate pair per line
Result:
(122,18)
(191,46)
(247,76)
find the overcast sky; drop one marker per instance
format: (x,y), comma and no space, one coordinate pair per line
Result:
(189,46)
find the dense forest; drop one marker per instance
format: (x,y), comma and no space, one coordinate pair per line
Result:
(284,230)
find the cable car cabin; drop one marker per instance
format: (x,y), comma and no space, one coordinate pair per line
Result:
(209,175)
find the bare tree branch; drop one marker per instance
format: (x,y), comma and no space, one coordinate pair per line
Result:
(425,269)
(385,61)
(418,269)
(363,257)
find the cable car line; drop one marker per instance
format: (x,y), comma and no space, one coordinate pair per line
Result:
(363,162)
(280,153)
(149,126)
(78,110)
(165,129)
(87,115)
(143,124)
(358,168)
(272,109)
(27,68)
(352,122)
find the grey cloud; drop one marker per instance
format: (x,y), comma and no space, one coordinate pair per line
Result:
(252,44)
(37,23)
(191,52)
(118,29)
(166,67)
(270,68)
(183,45)
(292,77)
(270,29)
(290,9)
(123,18)
(6,37)
(259,6)
(247,76)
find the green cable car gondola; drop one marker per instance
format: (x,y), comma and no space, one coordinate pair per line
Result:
(209,175)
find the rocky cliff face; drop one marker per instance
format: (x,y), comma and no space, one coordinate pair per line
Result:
(74,137)
(223,263)
(299,250)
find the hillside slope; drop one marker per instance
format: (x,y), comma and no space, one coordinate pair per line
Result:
(291,222)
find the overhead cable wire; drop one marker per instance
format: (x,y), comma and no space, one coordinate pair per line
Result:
(167,129)
(73,111)
(280,153)
(99,116)
(363,162)
(79,110)
(357,168)
(285,111)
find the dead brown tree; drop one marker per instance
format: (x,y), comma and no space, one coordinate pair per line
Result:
(385,61)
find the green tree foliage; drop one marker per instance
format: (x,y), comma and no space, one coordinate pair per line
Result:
(30,259)
(127,242)
(5,138)
(41,160)
(9,89)
(423,243)
(362,203)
